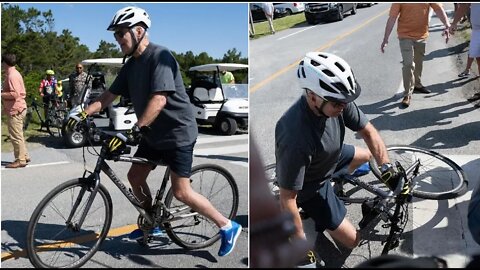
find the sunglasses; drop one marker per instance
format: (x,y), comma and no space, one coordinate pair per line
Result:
(79,67)
(120,33)
(335,104)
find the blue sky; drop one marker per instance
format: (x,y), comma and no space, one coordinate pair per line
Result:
(198,27)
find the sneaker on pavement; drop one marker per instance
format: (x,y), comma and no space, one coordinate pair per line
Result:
(137,234)
(229,238)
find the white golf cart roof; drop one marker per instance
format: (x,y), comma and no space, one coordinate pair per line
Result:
(219,66)
(115,62)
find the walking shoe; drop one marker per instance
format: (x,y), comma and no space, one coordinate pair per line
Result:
(406,101)
(16,164)
(464,74)
(475,97)
(362,170)
(422,90)
(229,238)
(137,234)
(28,159)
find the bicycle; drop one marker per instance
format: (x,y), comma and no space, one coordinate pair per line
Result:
(426,174)
(70,223)
(53,121)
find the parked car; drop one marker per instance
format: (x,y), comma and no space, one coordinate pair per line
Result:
(359,5)
(315,12)
(258,14)
(291,8)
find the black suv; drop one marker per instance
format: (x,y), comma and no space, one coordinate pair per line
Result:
(315,12)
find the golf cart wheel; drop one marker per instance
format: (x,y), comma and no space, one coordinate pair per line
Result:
(73,139)
(227,126)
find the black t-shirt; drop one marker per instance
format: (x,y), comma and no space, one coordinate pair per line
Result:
(156,70)
(307,147)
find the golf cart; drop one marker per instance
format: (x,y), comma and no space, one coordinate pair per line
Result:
(118,116)
(224,106)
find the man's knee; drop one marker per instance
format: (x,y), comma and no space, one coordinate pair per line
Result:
(362,154)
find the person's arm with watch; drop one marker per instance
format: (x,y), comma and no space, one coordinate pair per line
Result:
(378,149)
(155,105)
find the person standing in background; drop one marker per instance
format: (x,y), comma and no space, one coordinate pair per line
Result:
(14,105)
(77,82)
(226,77)
(474,50)
(412,30)
(269,10)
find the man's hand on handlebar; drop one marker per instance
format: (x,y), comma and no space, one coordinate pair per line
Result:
(120,141)
(73,120)
(390,176)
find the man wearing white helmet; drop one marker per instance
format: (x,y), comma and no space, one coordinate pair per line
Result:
(166,128)
(309,146)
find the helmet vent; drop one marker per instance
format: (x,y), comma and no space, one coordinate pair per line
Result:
(350,82)
(327,87)
(340,66)
(328,73)
(303,73)
(314,63)
(341,87)
(323,56)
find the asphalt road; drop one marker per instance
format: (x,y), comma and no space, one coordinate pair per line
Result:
(52,164)
(443,121)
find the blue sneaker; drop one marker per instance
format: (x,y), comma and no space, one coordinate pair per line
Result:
(137,234)
(362,170)
(229,238)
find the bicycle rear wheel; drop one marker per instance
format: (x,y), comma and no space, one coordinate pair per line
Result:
(438,177)
(51,242)
(194,230)
(55,122)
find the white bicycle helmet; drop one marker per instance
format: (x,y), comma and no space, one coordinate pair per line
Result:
(128,17)
(328,76)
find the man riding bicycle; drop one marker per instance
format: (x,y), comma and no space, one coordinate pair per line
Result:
(309,146)
(166,128)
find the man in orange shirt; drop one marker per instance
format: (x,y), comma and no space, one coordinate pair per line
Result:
(14,105)
(412,30)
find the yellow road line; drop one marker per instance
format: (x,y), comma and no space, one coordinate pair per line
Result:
(112,233)
(328,45)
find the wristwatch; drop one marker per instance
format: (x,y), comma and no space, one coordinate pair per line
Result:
(385,167)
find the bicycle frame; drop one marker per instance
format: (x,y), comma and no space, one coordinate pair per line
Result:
(409,174)
(94,180)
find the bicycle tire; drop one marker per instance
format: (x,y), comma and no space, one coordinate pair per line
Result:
(197,231)
(55,122)
(50,243)
(439,177)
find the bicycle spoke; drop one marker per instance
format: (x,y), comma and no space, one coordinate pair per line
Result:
(56,243)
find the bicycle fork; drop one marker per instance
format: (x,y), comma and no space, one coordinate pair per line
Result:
(93,184)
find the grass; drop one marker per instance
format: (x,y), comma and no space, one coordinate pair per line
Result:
(31,132)
(262,29)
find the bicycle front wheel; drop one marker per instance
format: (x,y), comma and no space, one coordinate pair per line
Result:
(438,177)
(52,241)
(191,230)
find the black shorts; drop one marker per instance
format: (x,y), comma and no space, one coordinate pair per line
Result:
(179,159)
(325,208)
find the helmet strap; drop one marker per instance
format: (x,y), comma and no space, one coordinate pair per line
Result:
(135,43)
(320,109)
